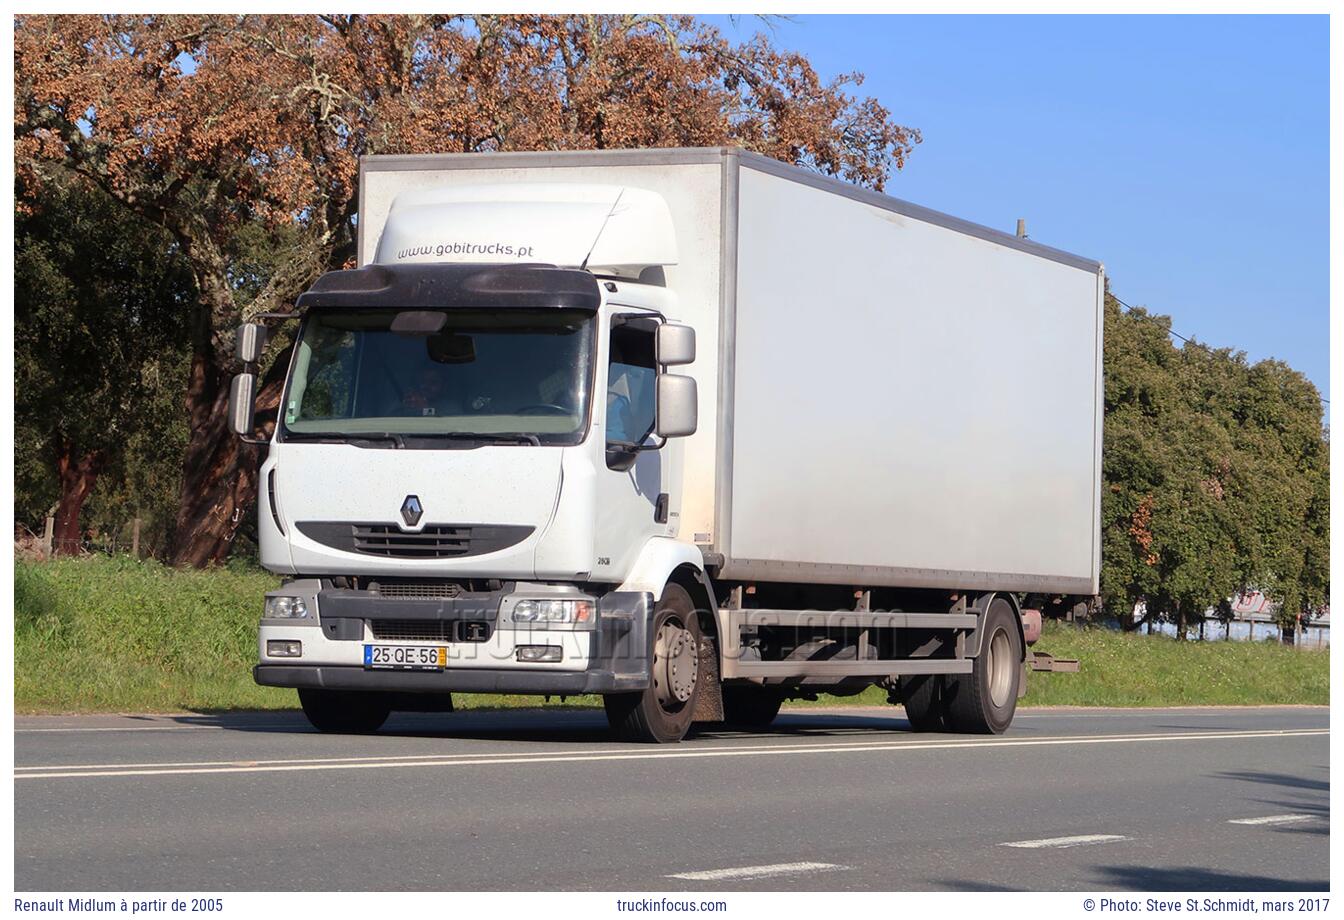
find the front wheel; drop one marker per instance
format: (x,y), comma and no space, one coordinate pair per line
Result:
(662,713)
(344,712)
(984,701)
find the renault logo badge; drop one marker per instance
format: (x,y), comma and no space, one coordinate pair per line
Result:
(411,510)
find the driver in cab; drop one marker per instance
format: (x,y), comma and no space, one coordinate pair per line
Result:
(429,394)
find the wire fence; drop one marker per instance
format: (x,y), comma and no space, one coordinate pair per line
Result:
(125,541)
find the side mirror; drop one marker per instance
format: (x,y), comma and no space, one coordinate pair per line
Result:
(675,344)
(242,397)
(251,341)
(676,406)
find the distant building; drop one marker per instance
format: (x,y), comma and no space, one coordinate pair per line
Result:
(1254,617)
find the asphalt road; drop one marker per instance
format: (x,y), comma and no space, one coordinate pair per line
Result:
(1157,799)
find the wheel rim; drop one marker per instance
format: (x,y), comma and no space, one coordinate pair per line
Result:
(1000,668)
(676,664)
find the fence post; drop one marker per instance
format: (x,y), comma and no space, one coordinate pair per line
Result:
(48,531)
(135,537)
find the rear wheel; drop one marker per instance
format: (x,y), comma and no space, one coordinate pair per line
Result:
(345,712)
(750,706)
(663,712)
(984,701)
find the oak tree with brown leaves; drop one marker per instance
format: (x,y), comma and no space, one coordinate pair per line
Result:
(207,125)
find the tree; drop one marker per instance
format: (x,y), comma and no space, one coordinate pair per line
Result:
(100,300)
(1215,478)
(206,124)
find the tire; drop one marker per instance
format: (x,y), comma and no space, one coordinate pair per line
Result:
(924,698)
(344,712)
(662,713)
(984,701)
(750,706)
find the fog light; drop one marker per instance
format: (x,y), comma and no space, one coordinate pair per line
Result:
(285,607)
(284,648)
(539,653)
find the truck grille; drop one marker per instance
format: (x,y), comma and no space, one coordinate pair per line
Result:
(435,541)
(431,630)
(413,630)
(431,590)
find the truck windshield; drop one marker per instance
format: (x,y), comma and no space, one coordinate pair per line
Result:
(519,376)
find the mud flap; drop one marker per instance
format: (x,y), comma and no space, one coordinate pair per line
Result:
(709,700)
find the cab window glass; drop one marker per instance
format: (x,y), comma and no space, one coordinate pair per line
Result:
(630,383)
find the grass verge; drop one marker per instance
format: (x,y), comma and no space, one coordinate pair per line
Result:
(106,634)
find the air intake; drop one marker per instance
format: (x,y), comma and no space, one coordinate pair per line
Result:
(434,541)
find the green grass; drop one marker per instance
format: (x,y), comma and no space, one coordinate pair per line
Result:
(1134,670)
(117,635)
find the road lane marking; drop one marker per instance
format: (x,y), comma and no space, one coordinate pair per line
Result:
(249,726)
(1063,843)
(838,746)
(1272,819)
(748,872)
(290,725)
(688,751)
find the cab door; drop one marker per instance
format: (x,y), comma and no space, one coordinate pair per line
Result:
(632,501)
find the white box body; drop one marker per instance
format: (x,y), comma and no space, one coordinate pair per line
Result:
(887,395)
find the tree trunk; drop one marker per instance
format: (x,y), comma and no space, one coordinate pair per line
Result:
(217,482)
(77,474)
(220,472)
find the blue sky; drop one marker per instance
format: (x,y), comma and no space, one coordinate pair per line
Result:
(1187,153)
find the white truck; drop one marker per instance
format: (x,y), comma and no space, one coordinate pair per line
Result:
(691,429)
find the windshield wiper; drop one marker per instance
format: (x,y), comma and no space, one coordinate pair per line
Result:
(398,441)
(507,437)
(359,437)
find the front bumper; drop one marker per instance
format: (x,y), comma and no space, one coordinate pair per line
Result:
(462,680)
(613,657)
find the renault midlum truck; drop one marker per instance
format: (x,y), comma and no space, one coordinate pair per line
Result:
(690,429)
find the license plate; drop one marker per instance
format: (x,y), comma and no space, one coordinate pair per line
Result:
(413,657)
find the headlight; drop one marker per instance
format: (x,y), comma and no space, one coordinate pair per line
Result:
(286,607)
(539,611)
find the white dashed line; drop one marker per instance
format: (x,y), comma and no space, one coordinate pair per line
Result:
(747,872)
(1272,819)
(1060,843)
